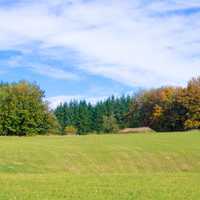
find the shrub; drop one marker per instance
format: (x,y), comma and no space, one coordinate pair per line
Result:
(192,124)
(70,130)
(110,124)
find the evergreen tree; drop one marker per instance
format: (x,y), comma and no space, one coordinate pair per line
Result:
(89,118)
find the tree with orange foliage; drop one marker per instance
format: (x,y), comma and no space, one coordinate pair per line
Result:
(168,108)
(190,101)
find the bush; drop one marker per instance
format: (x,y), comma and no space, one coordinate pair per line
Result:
(54,126)
(110,124)
(192,124)
(70,130)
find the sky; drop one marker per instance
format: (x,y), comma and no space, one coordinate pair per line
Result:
(92,49)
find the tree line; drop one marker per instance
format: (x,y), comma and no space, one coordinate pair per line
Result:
(104,116)
(168,108)
(162,109)
(23,111)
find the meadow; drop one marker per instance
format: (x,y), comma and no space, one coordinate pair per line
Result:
(101,167)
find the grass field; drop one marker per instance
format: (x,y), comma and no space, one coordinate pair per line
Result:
(106,167)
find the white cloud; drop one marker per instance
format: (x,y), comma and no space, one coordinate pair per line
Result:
(42,69)
(57,100)
(53,72)
(171,5)
(127,41)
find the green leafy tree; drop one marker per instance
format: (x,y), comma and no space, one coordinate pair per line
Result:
(23,111)
(110,124)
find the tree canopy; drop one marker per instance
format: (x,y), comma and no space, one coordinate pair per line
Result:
(91,118)
(168,108)
(23,111)
(162,109)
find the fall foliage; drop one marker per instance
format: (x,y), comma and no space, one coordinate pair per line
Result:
(168,108)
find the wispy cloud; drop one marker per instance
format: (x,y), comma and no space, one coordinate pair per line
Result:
(36,67)
(138,43)
(57,100)
(53,72)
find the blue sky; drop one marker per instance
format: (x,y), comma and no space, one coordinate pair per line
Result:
(95,48)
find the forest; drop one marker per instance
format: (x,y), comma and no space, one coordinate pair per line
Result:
(23,111)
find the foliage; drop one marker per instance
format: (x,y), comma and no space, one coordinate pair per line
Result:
(23,111)
(70,130)
(168,108)
(162,109)
(190,101)
(53,125)
(110,124)
(89,118)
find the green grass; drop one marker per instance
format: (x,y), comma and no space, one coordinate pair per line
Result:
(105,167)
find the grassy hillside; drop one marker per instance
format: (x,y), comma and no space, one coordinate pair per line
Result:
(146,166)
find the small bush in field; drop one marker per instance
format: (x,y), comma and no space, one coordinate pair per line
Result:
(110,124)
(70,130)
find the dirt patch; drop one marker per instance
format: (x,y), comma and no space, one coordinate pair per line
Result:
(137,130)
